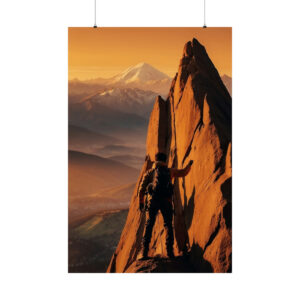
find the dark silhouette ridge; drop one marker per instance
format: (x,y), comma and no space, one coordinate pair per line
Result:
(202,265)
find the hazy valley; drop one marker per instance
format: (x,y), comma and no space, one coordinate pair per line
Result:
(92,240)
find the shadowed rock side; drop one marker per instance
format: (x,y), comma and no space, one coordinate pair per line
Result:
(193,123)
(158,264)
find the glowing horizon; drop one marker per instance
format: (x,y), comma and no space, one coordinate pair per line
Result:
(106,52)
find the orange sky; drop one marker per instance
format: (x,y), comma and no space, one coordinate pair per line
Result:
(104,52)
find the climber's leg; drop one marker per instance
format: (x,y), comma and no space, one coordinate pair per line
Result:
(167,212)
(152,212)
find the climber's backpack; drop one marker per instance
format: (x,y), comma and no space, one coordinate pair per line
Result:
(161,187)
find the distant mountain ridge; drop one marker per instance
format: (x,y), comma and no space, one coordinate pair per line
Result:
(89,173)
(142,76)
(97,184)
(108,119)
(121,105)
(128,100)
(129,160)
(80,137)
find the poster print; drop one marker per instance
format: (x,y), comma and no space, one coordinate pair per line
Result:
(150,150)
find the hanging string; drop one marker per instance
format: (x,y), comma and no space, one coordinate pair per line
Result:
(204,15)
(95,23)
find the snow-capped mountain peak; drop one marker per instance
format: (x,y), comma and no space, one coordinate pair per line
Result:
(141,72)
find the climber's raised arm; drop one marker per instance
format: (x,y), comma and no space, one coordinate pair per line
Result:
(181,172)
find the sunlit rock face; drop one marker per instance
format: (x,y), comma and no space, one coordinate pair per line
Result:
(193,123)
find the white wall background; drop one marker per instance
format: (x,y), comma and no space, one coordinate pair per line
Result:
(33,159)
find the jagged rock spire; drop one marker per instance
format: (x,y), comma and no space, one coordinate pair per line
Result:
(193,123)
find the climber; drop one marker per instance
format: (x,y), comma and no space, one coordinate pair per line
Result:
(158,185)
